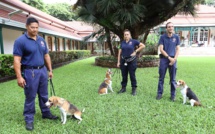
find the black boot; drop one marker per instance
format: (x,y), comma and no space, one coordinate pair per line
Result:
(134,92)
(122,90)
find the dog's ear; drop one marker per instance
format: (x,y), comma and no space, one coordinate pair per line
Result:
(55,101)
(183,83)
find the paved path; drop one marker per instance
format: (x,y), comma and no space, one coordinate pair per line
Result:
(197,51)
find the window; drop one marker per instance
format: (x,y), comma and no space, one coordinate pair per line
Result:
(50,43)
(68,44)
(202,34)
(195,35)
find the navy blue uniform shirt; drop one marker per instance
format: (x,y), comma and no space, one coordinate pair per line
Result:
(129,47)
(169,43)
(32,51)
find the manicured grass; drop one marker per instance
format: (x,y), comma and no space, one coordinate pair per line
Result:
(119,113)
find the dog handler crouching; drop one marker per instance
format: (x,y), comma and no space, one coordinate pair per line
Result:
(30,56)
(127,60)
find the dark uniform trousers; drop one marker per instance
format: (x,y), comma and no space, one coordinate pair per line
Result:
(36,83)
(164,64)
(131,69)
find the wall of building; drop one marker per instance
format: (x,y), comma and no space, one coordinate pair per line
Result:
(9,36)
(212,37)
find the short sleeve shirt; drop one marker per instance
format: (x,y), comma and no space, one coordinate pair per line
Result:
(31,51)
(169,43)
(128,47)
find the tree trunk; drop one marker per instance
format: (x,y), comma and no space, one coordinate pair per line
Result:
(145,36)
(109,41)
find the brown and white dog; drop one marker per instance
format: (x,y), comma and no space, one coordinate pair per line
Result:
(188,93)
(65,107)
(106,84)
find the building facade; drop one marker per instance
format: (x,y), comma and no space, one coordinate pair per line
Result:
(59,35)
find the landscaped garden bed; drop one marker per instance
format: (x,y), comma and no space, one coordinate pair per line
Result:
(144,61)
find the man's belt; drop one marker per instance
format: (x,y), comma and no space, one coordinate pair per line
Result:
(161,56)
(31,67)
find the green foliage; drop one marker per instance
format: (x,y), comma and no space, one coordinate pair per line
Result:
(152,43)
(6,61)
(209,2)
(61,11)
(115,113)
(137,16)
(108,58)
(190,8)
(148,58)
(6,65)
(143,58)
(39,4)
(79,53)
(66,56)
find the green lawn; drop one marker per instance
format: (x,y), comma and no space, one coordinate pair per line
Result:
(119,113)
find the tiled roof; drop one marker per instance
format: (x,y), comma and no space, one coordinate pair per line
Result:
(205,17)
(81,28)
(46,21)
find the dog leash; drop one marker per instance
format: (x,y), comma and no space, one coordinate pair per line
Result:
(116,70)
(51,87)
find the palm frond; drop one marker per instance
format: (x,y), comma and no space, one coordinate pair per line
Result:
(92,35)
(190,8)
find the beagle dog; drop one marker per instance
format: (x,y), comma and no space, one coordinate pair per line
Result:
(106,84)
(188,93)
(66,108)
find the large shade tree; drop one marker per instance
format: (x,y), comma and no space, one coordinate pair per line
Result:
(39,4)
(62,11)
(139,16)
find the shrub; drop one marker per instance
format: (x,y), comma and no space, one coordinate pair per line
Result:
(6,65)
(144,61)
(65,56)
(76,54)
(6,61)
(151,44)
(148,58)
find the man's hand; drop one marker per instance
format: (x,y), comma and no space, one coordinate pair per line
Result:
(172,61)
(21,82)
(118,64)
(50,74)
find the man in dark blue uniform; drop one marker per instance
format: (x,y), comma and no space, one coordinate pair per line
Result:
(169,48)
(127,60)
(31,60)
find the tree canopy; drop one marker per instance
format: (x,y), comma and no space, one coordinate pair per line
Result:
(39,4)
(139,16)
(62,11)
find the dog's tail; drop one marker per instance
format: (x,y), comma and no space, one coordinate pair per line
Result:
(83,110)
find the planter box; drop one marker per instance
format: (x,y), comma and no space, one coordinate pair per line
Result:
(140,63)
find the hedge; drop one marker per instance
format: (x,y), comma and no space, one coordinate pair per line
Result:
(144,61)
(6,65)
(6,60)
